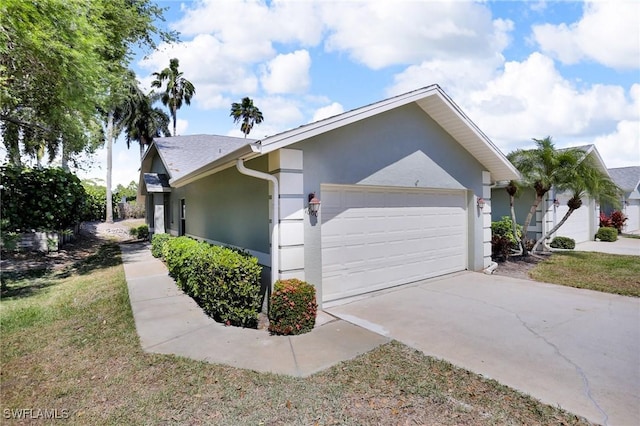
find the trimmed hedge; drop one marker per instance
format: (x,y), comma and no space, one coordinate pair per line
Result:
(563,243)
(293,307)
(224,282)
(157,243)
(607,234)
(140,232)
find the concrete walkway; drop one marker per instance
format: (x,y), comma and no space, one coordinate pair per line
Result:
(623,245)
(170,322)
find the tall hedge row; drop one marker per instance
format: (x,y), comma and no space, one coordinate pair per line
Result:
(44,199)
(224,282)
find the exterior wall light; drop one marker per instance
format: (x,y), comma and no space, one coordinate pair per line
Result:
(556,202)
(314,204)
(481,203)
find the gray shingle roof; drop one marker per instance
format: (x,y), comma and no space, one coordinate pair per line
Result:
(184,154)
(626,178)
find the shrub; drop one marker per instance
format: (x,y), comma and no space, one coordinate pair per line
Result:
(225,283)
(617,220)
(607,234)
(41,199)
(140,232)
(157,243)
(293,307)
(563,243)
(502,238)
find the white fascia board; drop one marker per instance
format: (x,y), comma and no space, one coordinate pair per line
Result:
(245,152)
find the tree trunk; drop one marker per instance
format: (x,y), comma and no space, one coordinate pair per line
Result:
(553,230)
(527,221)
(175,118)
(109,206)
(514,225)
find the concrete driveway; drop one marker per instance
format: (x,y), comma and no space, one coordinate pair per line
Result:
(623,245)
(578,349)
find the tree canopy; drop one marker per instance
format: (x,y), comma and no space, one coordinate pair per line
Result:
(60,62)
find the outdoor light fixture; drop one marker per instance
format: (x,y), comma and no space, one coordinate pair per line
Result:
(556,202)
(314,204)
(481,203)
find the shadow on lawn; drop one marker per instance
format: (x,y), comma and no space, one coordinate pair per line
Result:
(26,283)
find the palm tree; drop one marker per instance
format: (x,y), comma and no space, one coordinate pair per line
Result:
(513,189)
(541,169)
(144,121)
(246,112)
(177,90)
(585,179)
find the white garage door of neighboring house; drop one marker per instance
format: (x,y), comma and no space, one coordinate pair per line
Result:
(632,211)
(375,238)
(578,225)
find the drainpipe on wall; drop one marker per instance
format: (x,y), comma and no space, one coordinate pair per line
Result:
(275,240)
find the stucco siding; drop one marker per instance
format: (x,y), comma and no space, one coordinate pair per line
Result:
(230,208)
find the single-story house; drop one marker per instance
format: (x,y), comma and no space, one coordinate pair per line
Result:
(628,179)
(583,223)
(387,194)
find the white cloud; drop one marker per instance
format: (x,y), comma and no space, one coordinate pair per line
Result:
(608,33)
(287,73)
(532,99)
(383,33)
(328,111)
(622,147)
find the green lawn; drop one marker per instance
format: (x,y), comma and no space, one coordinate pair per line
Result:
(69,344)
(595,271)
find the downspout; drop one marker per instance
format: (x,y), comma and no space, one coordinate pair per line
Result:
(275,240)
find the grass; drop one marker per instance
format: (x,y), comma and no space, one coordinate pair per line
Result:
(595,271)
(70,345)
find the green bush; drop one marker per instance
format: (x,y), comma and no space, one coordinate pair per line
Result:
(607,234)
(563,243)
(42,199)
(502,239)
(140,232)
(225,283)
(157,243)
(293,307)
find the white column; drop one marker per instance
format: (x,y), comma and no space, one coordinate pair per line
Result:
(286,165)
(486,218)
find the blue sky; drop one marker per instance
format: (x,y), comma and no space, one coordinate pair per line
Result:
(519,70)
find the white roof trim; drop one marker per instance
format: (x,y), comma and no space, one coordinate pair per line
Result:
(436,104)
(431,99)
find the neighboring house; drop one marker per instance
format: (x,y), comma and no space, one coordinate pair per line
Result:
(398,181)
(628,179)
(583,223)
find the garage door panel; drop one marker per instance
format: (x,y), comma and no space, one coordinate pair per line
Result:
(374,238)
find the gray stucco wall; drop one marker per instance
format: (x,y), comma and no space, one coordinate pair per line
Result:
(402,147)
(500,207)
(228,207)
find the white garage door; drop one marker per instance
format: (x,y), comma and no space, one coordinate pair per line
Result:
(374,238)
(632,211)
(578,224)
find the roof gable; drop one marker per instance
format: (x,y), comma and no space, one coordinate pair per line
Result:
(627,178)
(436,104)
(432,100)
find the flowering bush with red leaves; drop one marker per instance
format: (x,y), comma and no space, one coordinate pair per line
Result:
(616,220)
(293,307)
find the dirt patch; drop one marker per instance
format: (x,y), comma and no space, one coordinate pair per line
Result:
(91,235)
(519,266)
